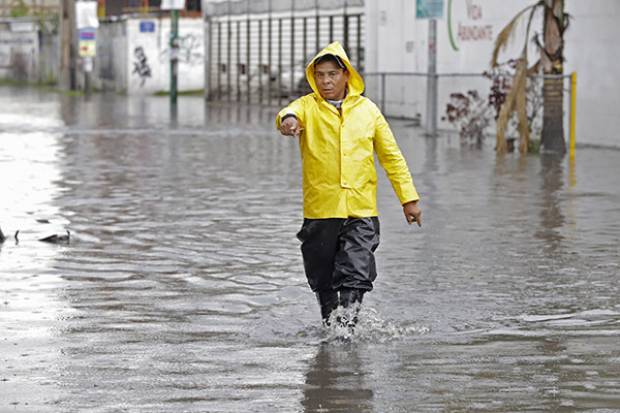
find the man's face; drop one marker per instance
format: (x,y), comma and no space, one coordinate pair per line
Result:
(331,80)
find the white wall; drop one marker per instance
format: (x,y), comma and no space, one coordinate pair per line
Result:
(396,41)
(148,68)
(19,50)
(592,50)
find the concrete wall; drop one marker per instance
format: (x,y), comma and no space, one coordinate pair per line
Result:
(111,63)
(28,52)
(592,51)
(19,50)
(396,41)
(49,57)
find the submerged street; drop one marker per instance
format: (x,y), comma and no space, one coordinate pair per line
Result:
(182,288)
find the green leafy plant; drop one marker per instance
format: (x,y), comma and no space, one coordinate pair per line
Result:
(19,9)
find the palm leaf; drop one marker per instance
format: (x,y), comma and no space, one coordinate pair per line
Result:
(516,99)
(558,9)
(521,109)
(507,33)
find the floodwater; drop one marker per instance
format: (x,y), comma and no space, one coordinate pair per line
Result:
(182,289)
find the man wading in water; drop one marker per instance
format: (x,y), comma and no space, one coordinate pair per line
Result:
(339,131)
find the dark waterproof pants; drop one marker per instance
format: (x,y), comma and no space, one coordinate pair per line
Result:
(339,253)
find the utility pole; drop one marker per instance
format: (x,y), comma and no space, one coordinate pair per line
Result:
(431,10)
(88,68)
(431,89)
(173,6)
(208,41)
(67,45)
(174,55)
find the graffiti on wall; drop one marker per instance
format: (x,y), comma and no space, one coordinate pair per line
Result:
(470,30)
(190,50)
(141,65)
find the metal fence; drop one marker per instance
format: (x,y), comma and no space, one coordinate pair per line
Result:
(242,7)
(262,59)
(404,95)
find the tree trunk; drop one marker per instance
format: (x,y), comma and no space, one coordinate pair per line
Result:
(67,50)
(552,139)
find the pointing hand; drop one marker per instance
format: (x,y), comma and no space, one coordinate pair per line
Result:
(290,127)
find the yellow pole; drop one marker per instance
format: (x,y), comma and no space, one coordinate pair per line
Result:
(573,113)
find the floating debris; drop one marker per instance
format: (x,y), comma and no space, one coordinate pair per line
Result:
(57,239)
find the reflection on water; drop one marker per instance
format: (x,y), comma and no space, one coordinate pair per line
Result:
(551,215)
(183,287)
(336,382)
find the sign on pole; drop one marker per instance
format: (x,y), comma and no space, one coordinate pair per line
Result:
(86,22)
(87,42)
(173,4)
(86,14)
(429,9)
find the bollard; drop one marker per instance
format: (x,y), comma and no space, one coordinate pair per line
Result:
(573,114)
(432,80)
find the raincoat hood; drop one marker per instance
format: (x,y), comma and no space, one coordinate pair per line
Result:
(355,85)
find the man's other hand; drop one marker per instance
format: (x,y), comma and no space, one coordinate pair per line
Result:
(413,213)
(290,126)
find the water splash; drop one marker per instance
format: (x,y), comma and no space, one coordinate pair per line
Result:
(365,325)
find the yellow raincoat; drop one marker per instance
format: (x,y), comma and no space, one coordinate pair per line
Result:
(339,176)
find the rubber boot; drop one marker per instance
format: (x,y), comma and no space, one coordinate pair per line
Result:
(328,301)
(351,297)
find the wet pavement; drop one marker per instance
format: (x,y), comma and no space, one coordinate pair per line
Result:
(182,289)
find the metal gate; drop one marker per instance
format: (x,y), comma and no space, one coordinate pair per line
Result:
(262,58)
